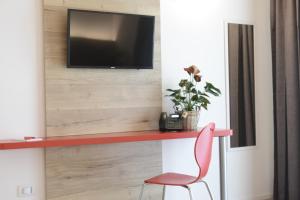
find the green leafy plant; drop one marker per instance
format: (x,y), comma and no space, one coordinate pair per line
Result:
(188,97)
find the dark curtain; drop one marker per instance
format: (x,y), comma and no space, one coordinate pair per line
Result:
(241,84)
(286,73)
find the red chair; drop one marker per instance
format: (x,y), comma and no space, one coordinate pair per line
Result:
(202,151)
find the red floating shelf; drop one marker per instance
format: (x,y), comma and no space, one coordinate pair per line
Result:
(104,138)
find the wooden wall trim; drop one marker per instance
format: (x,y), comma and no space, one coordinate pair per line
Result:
(87,101)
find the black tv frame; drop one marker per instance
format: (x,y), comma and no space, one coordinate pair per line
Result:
(106,67)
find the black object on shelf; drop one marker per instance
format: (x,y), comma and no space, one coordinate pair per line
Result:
(173,122)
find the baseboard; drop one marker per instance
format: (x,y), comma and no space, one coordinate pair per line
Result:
(265,197)
(258,197)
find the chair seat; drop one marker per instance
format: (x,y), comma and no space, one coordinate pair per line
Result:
(172,179)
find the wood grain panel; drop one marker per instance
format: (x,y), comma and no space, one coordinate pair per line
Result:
(89,121)
(117,100)
(88,101)
(102,172)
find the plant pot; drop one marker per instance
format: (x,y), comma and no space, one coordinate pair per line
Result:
(191,120)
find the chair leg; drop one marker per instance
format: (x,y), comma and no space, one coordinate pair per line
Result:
(190,191)
(142,191)
(207,187)
(164,192)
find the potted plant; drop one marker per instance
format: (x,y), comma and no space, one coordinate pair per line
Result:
(188,99)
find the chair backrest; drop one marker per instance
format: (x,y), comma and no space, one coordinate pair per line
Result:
(203,149)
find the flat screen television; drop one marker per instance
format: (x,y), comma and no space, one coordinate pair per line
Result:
(109,40)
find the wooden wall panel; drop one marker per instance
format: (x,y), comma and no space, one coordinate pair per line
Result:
(118,100)
(87,101)
(103,172)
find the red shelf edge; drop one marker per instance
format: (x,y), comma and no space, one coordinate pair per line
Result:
(105,138)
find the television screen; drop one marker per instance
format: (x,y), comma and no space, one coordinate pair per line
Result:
(109,40)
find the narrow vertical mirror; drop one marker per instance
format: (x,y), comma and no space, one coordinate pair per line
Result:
(241,84)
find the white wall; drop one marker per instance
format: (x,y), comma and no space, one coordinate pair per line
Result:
(193,33)
(256,165)
(21,95)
